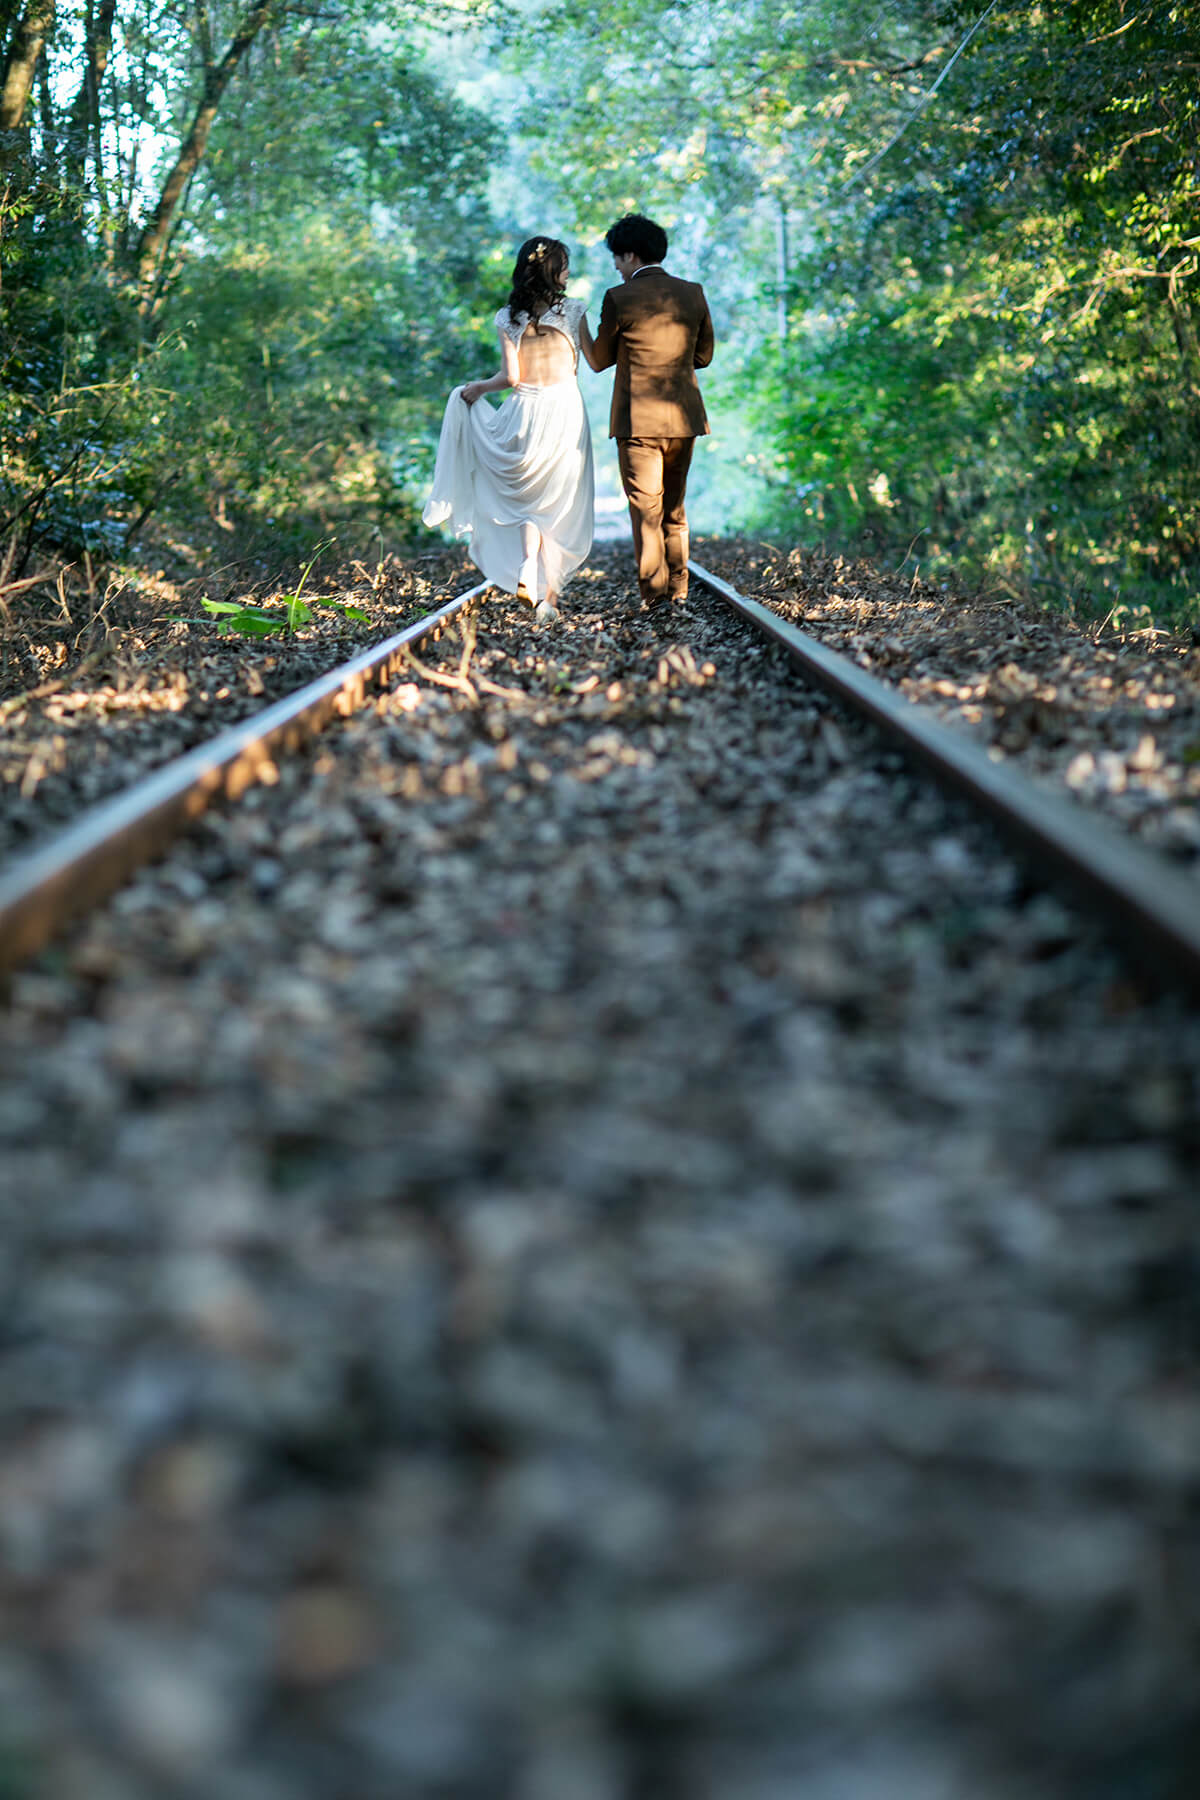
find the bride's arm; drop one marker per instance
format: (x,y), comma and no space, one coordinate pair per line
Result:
(587,343)
(507,376)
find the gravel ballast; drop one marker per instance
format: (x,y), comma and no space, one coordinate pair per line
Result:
(1108,715)
(597,1239)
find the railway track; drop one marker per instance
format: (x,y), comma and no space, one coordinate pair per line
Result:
(596,1237)
(57,883)
(1155,913)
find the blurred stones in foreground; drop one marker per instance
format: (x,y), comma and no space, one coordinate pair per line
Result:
(641,1262)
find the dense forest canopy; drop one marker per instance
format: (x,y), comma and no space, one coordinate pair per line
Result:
(242,248)
(952,252)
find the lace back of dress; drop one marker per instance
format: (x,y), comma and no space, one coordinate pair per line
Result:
(545,358)
(564,319)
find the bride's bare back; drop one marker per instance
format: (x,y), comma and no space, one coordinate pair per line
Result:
(545,355)
(537,352)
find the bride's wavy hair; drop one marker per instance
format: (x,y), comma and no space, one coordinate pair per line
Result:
(539,277)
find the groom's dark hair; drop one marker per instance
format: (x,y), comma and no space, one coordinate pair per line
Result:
(647,240)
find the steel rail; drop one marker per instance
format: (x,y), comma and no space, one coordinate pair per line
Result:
(1156,908)
(44,890)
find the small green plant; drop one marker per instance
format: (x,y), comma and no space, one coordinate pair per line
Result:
(257,621)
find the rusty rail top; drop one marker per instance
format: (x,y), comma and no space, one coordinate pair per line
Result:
(42,891)
(1158,907)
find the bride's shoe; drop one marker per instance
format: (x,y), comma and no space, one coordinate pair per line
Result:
(547,613)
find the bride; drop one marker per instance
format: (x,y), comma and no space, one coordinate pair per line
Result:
(518,478)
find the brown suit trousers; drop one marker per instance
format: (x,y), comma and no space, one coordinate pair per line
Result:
(654,474)
(658,332)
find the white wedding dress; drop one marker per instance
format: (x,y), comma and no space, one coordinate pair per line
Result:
(527,462)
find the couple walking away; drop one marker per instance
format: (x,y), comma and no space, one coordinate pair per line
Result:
(518,479)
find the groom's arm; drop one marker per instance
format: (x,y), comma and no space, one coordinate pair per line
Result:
(604,344)
(705,343)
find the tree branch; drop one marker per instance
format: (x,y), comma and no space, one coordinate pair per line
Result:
(926,97)
(84,115)
(153,241)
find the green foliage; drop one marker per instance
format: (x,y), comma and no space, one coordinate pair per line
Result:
(246,620)
(955,293)
(80,403)
(320,292)
(1007,352)
(991,351)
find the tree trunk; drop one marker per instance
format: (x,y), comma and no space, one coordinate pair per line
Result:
(16,85)
(84,116)
(47,122)
(153,242)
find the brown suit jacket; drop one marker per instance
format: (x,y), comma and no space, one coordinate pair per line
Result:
(657,331)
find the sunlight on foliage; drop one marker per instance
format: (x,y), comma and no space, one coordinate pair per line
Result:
(949,245)
(999,311)
(282,348)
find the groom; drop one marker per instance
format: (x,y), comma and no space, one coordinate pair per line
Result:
(657,331)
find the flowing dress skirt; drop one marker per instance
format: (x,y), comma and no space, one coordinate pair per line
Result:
(528,461)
